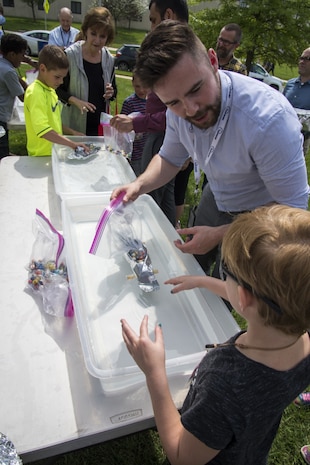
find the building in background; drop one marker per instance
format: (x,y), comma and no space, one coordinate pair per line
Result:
(18,8)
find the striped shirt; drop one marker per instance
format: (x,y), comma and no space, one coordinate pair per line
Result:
(135,104)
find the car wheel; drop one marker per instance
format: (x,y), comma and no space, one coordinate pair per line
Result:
(274,86)
(122,66)
(28,51)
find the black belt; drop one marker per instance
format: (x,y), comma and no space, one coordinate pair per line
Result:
(233,214)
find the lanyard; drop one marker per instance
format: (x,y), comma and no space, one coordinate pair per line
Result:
(221,123)
(63,35)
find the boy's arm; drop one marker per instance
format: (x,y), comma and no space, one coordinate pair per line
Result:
(24,86)
(56,138)
(181,447)
(145,123)
(30,62)
(71,132)
(184,283)
(21,97)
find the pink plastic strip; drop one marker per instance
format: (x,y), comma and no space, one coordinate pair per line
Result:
(69,309)
(114,204)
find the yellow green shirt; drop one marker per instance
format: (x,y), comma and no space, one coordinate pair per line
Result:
(42,114)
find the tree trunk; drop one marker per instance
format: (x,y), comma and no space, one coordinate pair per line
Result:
(33,10)
(249,59)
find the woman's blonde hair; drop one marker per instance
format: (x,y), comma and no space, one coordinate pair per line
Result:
(268,250)
(99,18)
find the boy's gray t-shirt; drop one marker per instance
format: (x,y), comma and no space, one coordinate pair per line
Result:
(10,88)
(235,404)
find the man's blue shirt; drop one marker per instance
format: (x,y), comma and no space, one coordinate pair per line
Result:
(259,158)
(298,93)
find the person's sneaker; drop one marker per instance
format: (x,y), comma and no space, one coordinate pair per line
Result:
(303,400)
(305,452)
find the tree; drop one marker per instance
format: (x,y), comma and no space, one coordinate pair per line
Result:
(134,10)
(34,4)
(273,30)
(124,9)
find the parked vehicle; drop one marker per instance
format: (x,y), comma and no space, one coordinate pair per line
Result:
(125,57)
(258,72)
(35,40)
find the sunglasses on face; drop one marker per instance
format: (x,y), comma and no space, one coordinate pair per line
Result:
(304,58)
(224,272)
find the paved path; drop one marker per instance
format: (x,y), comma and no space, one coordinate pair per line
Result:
(123,76)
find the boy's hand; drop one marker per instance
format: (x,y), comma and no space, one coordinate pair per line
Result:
(149,355)
(75,146)
(182,283)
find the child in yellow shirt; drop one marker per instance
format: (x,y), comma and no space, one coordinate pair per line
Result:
(42,107)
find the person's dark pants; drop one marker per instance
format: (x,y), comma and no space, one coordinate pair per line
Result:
(4,141)
(163,196)
(180,186)
(207,214)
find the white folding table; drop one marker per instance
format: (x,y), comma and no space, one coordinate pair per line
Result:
(49,403)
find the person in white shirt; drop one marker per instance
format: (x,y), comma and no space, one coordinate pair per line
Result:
(63,35)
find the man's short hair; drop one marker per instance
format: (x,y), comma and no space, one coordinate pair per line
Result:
(13,43)
(53,57)
(163,48)
(236,28)
(179,7)
(66,11)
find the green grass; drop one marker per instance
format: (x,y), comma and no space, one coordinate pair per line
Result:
(123,36)
(144,447)
(285,72)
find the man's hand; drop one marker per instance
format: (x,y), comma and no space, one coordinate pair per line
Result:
(200,239)
(132,192)
(122,123)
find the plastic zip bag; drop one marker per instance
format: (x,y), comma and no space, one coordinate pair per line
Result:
(118,231)
(8,453)
(117,142)
(47,270)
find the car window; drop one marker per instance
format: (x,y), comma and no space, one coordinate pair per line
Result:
(260,70)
